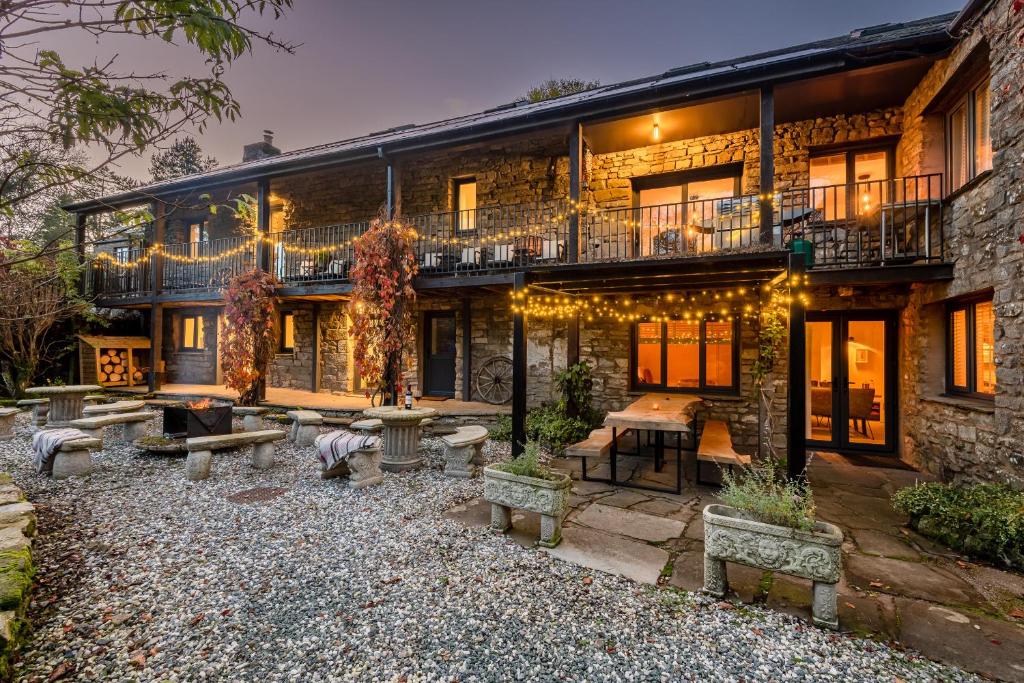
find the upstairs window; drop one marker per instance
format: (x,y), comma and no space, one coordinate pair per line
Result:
(197,234)
(287,332)
(464,203)
(970,350)
(969,136)
(122,254)
(192,333)
(832,174)
(685,355)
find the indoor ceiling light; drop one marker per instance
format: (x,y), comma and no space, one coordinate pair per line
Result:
(656,133)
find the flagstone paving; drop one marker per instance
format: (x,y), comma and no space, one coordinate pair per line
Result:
(896,586)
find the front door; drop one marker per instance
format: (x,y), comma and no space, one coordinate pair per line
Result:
(439,354)
(851,376)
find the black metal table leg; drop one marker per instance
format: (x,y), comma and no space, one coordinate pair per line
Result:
(614,453)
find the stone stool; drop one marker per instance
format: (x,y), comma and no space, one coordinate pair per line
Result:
(73,459)
(305,426)
(368,426)
(463,450)
(7,416)
(40,409)
(365,468)
(252,417)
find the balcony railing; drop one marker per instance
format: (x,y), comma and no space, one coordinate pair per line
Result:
(124,275)
(319,254)
(208,264)
(842,226)
(493,238)
(868,223)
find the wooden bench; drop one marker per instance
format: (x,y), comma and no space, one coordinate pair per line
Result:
(7,416)
(597,445)
(109,408)
(74,458)
(463,450)
(716,446)
(252,416)
(305,426)
(134,424)
(200,450)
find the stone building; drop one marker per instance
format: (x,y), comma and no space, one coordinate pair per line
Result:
(667,211)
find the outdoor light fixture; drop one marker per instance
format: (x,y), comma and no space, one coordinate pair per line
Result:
(656,133)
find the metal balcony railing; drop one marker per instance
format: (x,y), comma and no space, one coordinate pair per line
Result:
(207,264)
(320,254)
(125,274)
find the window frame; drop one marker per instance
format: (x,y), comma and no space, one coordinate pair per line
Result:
(281,347)
(682,179)
(198,343)
(457,185)
(968,305)
(702,386)
(968,100)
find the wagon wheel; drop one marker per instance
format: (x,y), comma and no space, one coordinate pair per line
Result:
(494,380)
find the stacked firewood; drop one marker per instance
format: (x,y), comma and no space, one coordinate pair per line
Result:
(114,367)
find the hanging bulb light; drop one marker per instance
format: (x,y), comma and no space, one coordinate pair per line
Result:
(656,132)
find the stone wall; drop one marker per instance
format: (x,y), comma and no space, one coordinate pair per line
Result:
(16,571)
(190,367)
(965,440)
(220,223)
(294,369)
(338,196)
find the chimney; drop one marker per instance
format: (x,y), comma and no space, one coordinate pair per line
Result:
(261,150)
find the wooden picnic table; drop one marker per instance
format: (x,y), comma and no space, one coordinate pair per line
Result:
(656,413)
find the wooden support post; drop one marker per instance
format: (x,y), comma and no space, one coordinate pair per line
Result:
(158,233)
(572,342)
(156,342)
(83,273)
(575,191)
(518,369)
(796,424)
(263,255)
(315,380)
(767,186)
(467,349)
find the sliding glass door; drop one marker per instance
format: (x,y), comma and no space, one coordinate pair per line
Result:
(851,376)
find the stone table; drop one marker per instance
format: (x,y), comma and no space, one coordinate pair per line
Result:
(401,435)
(65,402)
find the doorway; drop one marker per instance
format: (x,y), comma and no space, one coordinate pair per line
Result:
(851,376)
(439,354)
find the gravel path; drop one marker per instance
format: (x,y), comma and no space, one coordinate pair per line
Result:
(144,576)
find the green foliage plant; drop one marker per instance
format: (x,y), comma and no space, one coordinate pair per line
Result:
(528,464)
(766,495)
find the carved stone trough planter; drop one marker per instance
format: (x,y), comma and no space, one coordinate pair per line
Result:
(547,497)
(730,535)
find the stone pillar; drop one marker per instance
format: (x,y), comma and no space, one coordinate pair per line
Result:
(501,517)
(63,409)
(716,581)
(134,430)
(263,455)
(197,465)
(401,447)
(76,463)
(823,608)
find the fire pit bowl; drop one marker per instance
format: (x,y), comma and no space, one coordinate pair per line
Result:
(196,418)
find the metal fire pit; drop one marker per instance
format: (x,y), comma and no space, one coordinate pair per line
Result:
(182,422)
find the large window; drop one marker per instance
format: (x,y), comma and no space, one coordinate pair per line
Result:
(695,199)
(832,173)
(682,355)
(287,332)
(968,136)
(197,235)
(464,203)
(971,367)
(192,333)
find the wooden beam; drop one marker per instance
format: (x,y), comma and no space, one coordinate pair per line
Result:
(83,273)
(263,254)
(519,372)
(575,190)
(156,341)
(467,349)
(767,185)
(315,380)
(572,343)
(796,423)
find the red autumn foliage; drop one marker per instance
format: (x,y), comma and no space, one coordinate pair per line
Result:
(247,338)
(382,300)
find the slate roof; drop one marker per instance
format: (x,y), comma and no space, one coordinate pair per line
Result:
(872,44)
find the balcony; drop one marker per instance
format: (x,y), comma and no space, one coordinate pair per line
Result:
(856,225)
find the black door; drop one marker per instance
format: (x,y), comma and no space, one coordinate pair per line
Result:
(851,376)
(439,354)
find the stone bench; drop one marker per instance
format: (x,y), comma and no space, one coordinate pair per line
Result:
(7,416)
(200,450)
(716,446)
(463,450)
(111,408)
(252,416)
(368,426)
(40,408)
(134,424)
(305,426)
(74,458)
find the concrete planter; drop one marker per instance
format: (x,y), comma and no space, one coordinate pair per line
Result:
(730,535)
(547,497)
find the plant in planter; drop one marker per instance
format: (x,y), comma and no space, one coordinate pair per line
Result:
(768,523)
(525,484)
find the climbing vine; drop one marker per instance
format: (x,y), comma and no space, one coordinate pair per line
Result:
(771,342)
(248,339)
(381,307)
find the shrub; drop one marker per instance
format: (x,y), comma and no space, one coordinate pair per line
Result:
(554,429)
(762,492)
(575,384)
(528,464)
(502,430)
(983,520)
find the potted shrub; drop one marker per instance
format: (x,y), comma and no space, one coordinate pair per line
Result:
(525,484)
(768,523)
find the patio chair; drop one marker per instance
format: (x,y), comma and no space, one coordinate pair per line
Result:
(821,404)
(861,403)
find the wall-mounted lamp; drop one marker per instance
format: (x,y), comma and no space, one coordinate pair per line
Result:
(656,133)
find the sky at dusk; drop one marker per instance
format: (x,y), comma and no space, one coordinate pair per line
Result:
(365,66)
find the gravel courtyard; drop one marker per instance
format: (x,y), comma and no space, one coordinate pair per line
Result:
(280,576)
